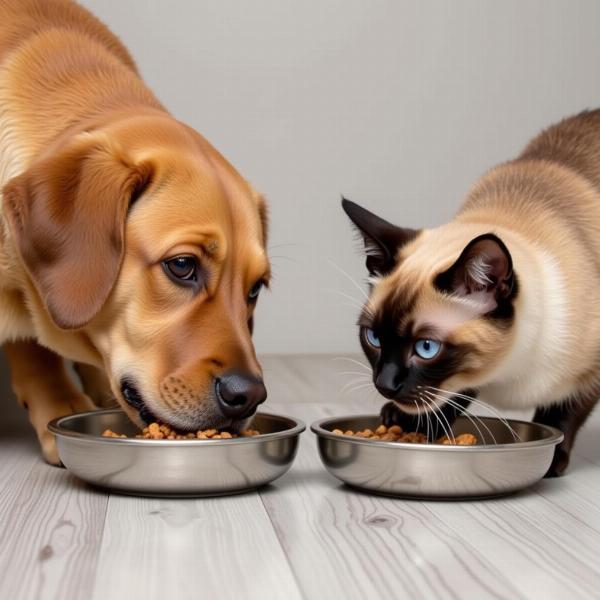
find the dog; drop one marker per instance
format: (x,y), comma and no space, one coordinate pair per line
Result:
(128,243)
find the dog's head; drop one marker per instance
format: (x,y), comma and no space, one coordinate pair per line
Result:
(142,237)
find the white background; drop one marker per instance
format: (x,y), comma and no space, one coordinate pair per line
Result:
(398,104)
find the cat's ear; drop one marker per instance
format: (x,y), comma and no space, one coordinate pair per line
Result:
(382,239)
(484,271)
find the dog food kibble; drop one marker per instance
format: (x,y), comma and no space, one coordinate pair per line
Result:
(160,431)
(395,434)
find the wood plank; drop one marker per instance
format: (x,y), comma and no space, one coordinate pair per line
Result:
(51,531)
(346,544)
(209,548)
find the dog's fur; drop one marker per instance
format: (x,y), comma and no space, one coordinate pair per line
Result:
(100,185)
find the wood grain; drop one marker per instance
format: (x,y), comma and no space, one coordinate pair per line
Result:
(207,548)
(51,529)
(305,536)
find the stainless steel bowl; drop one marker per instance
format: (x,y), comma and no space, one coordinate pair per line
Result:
(492,468)
(174,467)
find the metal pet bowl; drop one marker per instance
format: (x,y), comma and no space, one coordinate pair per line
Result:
(500,464)
(174,467)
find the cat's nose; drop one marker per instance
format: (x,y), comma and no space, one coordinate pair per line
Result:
(390,381)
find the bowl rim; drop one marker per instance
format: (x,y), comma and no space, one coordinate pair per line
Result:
(56,427)
(554,437)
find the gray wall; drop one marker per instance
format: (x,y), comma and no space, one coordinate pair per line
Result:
(397,104)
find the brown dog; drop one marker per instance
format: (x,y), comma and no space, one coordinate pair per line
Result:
(128,242)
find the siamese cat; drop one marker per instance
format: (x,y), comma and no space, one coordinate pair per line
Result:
(503,302)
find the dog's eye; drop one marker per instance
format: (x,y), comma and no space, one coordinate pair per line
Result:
(182,269)
(255,291)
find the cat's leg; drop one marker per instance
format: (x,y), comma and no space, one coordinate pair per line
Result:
(42,386)
(567,416)
(436,424)
(96,385)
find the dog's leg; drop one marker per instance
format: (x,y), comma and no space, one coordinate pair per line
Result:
(567,416)
(96,385)
(42,385)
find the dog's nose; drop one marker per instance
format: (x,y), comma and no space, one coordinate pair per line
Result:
(239,394)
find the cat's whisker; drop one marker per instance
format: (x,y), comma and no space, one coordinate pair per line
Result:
(357,388)
(353,301)
(467,413)
(441,415)
(349,277)
(352,360)
(361,373)
(472,418)
(434,412)
(418,414)
(483,404)
(349,384)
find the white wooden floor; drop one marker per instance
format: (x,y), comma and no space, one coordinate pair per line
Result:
(305,536)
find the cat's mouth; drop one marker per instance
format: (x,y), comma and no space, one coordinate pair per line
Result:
(417,404)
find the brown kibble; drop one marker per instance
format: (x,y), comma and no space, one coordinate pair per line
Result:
(466,439)
(395,434)
(414,437)
(162,431)
(249,433)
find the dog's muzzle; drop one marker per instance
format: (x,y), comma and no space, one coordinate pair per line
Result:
(134,399)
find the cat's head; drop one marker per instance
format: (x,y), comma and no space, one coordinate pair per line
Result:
(440,314)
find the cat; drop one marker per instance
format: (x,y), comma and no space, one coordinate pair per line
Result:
(503,301)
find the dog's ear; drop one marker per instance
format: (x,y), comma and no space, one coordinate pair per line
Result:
(66,215)
(382,239)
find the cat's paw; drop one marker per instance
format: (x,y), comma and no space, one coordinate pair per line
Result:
(392,415)
(560,462)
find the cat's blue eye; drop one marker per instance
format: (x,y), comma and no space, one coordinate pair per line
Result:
(427,349)
(372,338)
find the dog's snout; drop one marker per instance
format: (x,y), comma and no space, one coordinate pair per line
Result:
(239,394)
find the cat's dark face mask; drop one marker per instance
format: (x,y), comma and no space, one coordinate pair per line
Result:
(405,328)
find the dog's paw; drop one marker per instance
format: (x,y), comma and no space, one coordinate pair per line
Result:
(49,449)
